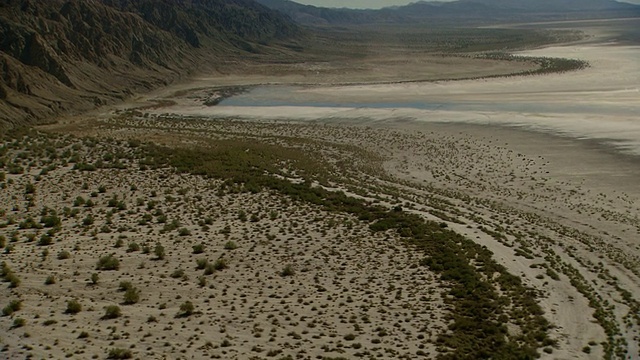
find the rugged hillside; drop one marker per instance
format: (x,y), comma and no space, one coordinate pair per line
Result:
(466,12)
(313,15)
(71,55)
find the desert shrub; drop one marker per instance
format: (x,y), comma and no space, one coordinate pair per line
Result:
(125,285)
(131,296)
(15,169)
(45,240)
(145,218)
(84,167)
(73,307)
(159,251)
(8,249)
(201,263)
(29,188)
(14,305)
(49,322)
(29,223)
(220,264)
(209,269)
(4,269)
(79,201)
(184,232)
(19,322)
(83,335)
(287,271)
(230,245)
(50,280)
(552,274)
(94,278)
(133,247)
(198,249)
(88,220)
(63,255)
(112,312)
(108,262)
(51,220)
(13,280)
(118,353)
(186,309)
(170,226)
(178,273)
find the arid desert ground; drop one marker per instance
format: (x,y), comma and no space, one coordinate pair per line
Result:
(539,170)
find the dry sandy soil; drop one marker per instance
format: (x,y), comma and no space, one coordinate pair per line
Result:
(553,194)
(349,291)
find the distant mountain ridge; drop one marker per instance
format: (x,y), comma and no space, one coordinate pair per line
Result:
(62,55)
(460,12)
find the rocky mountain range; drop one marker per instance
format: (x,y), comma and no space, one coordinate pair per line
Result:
(62,56)
(460,12)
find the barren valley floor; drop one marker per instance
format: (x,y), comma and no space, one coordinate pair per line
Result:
(317,231)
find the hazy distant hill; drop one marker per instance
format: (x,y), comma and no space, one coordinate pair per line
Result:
(60,55)
(308,14)
(465,12)
(519,10)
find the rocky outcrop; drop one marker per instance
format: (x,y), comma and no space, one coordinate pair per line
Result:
(63,55)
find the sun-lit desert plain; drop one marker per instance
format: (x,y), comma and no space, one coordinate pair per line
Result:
(326,210)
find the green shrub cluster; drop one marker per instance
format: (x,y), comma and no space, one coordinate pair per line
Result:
(186,309)
(73,307)
(112,312)
(14,305)
(108,262)
(118,353)
(9,276)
